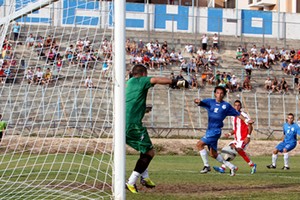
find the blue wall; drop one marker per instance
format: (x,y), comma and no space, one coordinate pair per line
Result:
(69,12)
(160,17)
(247,17)
(215,20)
(20,4)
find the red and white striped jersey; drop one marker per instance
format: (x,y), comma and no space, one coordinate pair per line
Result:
(240,127)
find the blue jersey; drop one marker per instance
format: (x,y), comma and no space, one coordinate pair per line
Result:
(217,112)
(290,132)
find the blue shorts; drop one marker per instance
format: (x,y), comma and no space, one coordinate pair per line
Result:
(287,146)
(211,138)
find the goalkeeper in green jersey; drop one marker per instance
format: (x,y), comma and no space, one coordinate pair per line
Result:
(3,126)
(136,134)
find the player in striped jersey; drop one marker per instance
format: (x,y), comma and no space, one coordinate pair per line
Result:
(242,134)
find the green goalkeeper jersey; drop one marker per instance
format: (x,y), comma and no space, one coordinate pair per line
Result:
(2,126)
(136,95)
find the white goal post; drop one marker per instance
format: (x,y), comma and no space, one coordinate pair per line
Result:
(59,95)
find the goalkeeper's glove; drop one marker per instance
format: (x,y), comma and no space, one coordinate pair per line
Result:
(178,83)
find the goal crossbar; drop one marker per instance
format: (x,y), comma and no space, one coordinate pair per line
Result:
(26,10)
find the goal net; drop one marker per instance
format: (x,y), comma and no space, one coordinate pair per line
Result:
(56,99)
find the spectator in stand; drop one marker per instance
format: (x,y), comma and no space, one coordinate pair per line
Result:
(180,56)
(287,57)
(275,85)
(217,78)
(181,78)
(272,57)
(59,64)
(268,84)
(263,49)
(290,68)
(248,69)
(29,42)
(88,82)
(192,66)
(189,48)
(212,59)
(141,45)
(259,62)
(233,84)
(282,52)
(268,49)
(48,76)
(245,51)
(173,57)
(146,61)
(164,46)
(184,66)
(16,30)
(292,53)
(246,84)
(39,49)
(194,82)
(39,74)
(239,52)
(284,66)
(154,62)
(215,40)
(254,50)
(283,86)
(204,42)
(266,60)
(105,67)
(127,46)
(30,75)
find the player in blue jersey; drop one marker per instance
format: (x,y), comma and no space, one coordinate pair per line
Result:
(289,142)
(217,110)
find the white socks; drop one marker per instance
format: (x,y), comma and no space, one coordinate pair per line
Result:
(274,159)
(145,174)
(133,177)
(226,163)
(203,154)
(286,159)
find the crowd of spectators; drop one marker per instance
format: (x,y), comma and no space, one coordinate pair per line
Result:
(82,53)
(159,56)
(267,58)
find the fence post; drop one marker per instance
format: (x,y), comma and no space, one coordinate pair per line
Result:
(91,106)
(43,101)
(256,110)
(183,107)
(283,106)
(172,32)
(296,114)
(152,112)
(200,122)
(169,106)
(269,110)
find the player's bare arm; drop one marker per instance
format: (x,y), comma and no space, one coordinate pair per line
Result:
(248,121)
(160,80)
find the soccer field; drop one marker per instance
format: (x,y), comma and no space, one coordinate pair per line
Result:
(178,177)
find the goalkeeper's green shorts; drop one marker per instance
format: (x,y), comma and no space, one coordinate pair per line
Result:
(137,137)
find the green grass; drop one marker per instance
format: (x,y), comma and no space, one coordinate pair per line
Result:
(61,176)
(178,178)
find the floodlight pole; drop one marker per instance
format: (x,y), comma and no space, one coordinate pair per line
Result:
(119,101)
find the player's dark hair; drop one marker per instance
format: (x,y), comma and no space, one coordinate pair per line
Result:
(291,114)
(139,70)
(238,101)
(220,88)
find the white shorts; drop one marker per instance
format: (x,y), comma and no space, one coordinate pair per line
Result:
(239,144)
